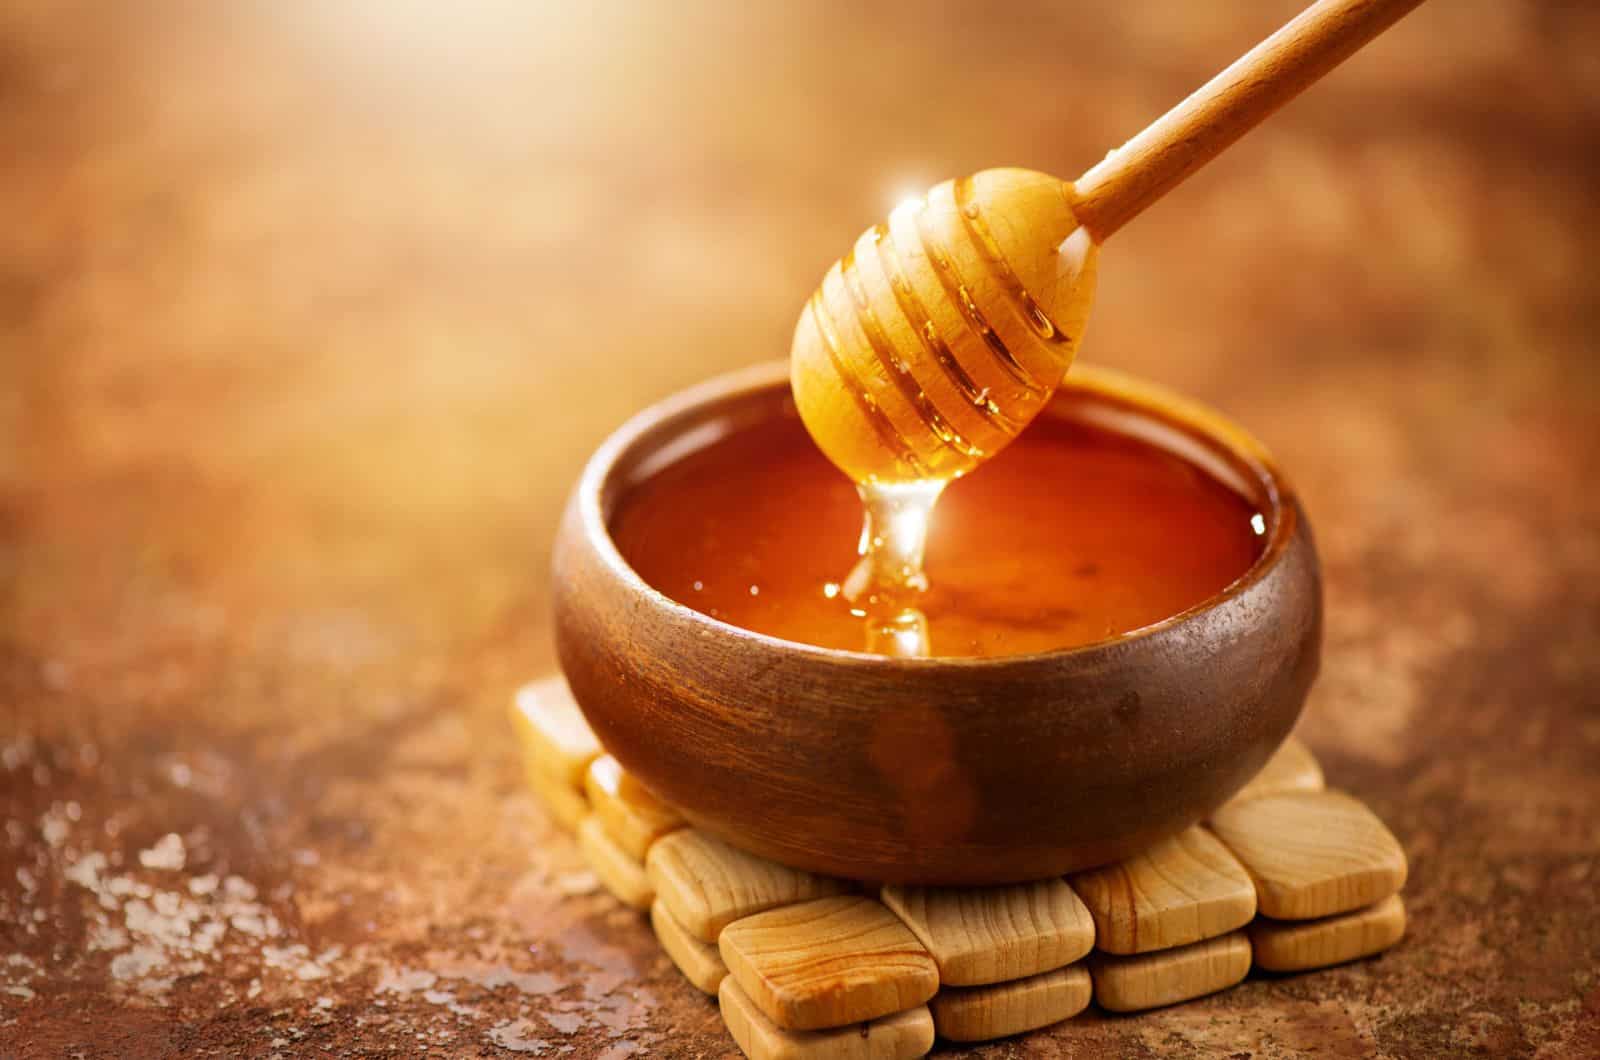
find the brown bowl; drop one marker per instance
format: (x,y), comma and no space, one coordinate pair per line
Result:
(943,770)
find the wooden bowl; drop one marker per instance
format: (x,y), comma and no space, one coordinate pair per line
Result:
(943,770)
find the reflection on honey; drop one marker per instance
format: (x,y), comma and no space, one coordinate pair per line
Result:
(1071,535)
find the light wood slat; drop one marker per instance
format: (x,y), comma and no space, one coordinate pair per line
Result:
(708,884)
(1299,945)
(1292,767)
(1181,890)
(566,805)
(699,962)
(980,1013)
(901,1036)
(981,935)
(828,962)
(1313,853)
(553,730)
(634,817)
(624,877)
(1150,980)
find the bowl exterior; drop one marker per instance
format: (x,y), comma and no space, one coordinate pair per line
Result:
(942,771)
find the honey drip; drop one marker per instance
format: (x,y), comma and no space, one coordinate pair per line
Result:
(887,582)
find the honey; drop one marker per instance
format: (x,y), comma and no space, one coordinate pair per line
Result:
(1071,535)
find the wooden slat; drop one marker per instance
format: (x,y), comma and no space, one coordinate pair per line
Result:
(622,876)
(1291,768)
(901,1036)
(1179,891)
(708,884)
(565,804)
(828,962)
(553,730)
(980,1013)
(1150,980)
(981,935)
(634,817)
(1313,853)
(1298,945)
(699,962)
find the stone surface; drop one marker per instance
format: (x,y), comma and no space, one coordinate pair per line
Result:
(309,315)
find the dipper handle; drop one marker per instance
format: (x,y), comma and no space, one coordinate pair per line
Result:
(945,330)
(1225,108)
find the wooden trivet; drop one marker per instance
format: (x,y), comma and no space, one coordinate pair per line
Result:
(806,966)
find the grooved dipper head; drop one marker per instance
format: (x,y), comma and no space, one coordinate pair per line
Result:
(945,329)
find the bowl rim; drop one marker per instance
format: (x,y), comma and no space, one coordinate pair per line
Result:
(1199,422)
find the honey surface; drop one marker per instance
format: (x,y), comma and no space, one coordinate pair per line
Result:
(1069,536)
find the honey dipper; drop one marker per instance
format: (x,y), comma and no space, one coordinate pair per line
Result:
(945,329)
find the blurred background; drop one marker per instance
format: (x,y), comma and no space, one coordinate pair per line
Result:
(310,313)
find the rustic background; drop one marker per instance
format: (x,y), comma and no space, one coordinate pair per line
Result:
(309,314)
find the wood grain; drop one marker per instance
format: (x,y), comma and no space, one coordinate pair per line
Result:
(624,877)
(828,962)
(1313,853)
(1150,980)
(634,817)
(553,730)
(901,1036)
(1292,767)
(981,935)
(1181,890)
(981,1013)
(708,884)
(700,962)
(1295,946)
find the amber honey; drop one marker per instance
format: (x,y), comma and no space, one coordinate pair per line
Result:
(1071,535)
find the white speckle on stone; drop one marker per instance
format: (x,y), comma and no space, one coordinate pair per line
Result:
(137,962)
(406,980)
(17,753)
(200,886)
(516,1035)
(54,826)
(107,937)
(85,872)
(565,1022)
(20,991)
(168,853)
(240,888)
